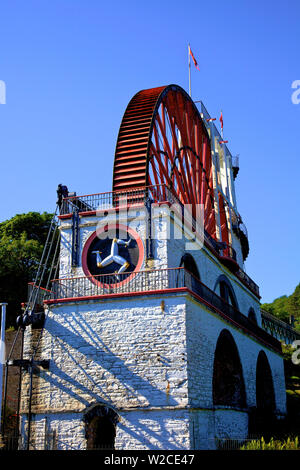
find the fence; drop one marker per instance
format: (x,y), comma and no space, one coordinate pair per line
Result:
(156,280)
(51,441)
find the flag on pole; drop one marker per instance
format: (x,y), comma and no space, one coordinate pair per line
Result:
(221,120)
(194,60)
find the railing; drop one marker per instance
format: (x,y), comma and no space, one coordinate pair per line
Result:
(117,199)
(54,441)
(155,280)
(248,281)
(278,328)
(228,251)
(157,194)
(103,284)
(37,293)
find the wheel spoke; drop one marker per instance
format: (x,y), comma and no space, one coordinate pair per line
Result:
(163,142)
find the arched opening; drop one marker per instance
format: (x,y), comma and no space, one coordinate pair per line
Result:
(191,274)
(252,316)
(224,289)
(265,397)
(228,382)
(188,262)
(100,427)
(262,419)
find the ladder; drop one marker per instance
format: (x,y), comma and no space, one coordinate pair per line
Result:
(39,290)
(47,270)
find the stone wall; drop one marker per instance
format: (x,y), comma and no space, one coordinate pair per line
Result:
(151,362)
(203,330)
(129,355)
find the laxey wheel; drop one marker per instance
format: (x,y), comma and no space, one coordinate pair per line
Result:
(163,143)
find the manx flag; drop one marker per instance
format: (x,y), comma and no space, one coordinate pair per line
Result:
(194,60)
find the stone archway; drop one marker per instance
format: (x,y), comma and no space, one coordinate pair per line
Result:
(262,419)
(100,427)
(228,381)
(265,397)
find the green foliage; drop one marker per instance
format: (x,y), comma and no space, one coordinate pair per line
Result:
(288,444)
(285,306)
(21,245)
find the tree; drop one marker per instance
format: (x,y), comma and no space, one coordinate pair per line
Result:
(285,307)
(22,239)
(293,303)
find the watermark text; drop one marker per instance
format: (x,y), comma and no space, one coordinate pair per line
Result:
(296,94)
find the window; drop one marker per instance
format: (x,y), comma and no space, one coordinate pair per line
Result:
(225,291)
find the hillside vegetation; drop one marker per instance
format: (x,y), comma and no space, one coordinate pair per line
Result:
(286,307)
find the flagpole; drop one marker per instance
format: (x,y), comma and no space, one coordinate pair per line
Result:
(190,91)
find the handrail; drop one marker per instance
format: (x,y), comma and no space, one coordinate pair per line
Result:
(153,280)
(268,318)
(99,276)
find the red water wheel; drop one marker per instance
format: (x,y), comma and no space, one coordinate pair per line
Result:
(163,142)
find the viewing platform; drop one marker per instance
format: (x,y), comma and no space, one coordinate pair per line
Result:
(93,204)
(172,280)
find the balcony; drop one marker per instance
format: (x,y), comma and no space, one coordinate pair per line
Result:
(173,280)
(160,194)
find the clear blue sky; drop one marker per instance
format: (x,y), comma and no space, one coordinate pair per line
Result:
(71,66)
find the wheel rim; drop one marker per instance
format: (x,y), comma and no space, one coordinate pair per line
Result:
(163,142)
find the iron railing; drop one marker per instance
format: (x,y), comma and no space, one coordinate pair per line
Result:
(157,194)
(154,280)
(278,328)
(141,281)
(117,199)
(248,281)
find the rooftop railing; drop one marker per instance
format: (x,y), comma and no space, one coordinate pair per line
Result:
(152,281)
(109,200)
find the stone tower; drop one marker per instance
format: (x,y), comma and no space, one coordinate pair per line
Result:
(153,329)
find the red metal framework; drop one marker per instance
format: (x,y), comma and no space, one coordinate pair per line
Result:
(163,141)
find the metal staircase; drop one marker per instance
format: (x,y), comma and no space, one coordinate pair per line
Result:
(34,315)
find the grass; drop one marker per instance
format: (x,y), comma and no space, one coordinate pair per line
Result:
(273,444)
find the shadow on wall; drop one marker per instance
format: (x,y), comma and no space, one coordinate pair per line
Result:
(100,355)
